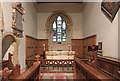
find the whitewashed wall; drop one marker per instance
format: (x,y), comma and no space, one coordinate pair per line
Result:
(119,34)
(95,22)
(77,25)
(73,10)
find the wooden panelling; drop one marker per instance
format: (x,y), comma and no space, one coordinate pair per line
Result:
(31,47)
(109,65)
(77,47)
(40,44)
(91,40)
(80,46)
(35,46)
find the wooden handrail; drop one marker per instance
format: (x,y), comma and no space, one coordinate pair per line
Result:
(50,62)
(29,73)
(47,63)
(29,59)
(111,59)
(91,73)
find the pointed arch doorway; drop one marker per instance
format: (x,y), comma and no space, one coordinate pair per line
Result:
(10,45)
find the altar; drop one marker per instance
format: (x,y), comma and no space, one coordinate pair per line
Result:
(60,54)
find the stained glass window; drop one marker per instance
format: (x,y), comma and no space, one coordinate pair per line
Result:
(59,29)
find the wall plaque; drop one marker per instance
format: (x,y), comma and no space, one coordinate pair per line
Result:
(17,19)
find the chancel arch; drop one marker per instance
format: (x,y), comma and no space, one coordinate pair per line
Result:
(59,31)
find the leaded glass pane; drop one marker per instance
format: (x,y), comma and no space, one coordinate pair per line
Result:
(59,29)
(64,32)
(54,25)
(59,21)
(59,36)
(58,40)
(54,40)
(54,31)
(64,25)
(54,37)
(64,40)
(59,18)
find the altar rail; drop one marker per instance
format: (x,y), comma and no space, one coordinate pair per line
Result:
(84,71)
(31,74)
(109,65)
(55,64)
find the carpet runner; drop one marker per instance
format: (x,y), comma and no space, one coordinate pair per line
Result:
(59,78)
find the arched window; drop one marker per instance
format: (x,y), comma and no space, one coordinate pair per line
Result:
(59,29)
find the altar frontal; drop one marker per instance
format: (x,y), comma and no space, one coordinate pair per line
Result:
(60,54)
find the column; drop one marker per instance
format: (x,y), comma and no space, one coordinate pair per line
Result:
(1,30)
(119,34)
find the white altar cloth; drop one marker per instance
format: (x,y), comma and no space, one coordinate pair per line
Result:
(60,54)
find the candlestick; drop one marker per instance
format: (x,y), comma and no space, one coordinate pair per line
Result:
(69,46)
(44,47)
(51,47)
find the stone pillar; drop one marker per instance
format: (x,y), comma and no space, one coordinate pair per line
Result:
(1,30)
(119,34)
(0,45)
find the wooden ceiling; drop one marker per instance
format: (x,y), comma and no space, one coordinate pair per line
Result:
(59,1)
(68,7)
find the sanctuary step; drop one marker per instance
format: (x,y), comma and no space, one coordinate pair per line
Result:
(46,76)
(57,68)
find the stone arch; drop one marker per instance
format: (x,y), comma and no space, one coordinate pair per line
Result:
(9,40)
(48,26)
(55,14)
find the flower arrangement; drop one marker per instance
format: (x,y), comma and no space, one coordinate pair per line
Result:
(92,48)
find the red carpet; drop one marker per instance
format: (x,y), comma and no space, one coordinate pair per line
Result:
(59,78)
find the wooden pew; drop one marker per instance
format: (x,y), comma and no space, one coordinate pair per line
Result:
(87,73)
(8,63)
(106,64)
(31,74)
(109,65)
